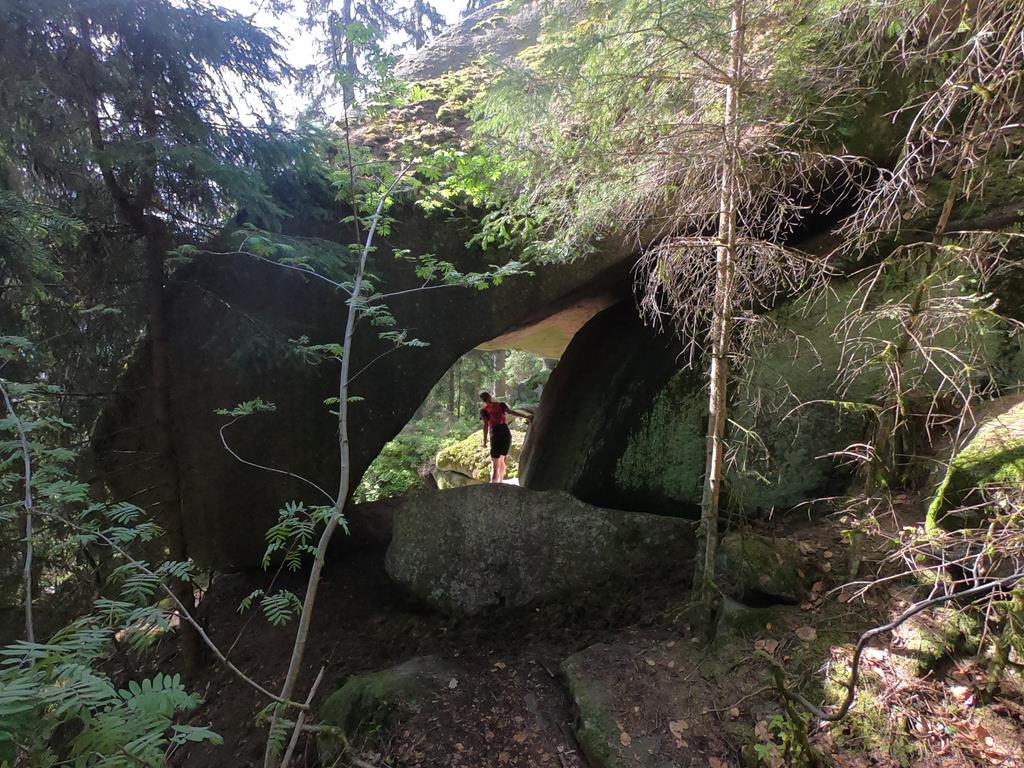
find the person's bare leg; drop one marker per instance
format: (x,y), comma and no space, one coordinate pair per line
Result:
(494,470)
(501,469)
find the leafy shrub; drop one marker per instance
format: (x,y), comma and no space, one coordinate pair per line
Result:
(56,706)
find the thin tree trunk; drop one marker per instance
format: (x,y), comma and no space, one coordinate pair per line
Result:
(157,241)
(500,389)
(344,466)
(171,512)
(348,88)
(451,389)
(30,632)
(722,323)
(892,433)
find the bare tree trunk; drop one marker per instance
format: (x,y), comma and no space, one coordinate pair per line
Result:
(451,389)
(500,389)
(344,466)
(30,632)
(171,513)
(348,87)
(157,241)
(722,323)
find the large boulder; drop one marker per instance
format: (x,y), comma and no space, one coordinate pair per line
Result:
(470,549)
(619,425)
(233,320)
(622,423)
(467,462)
(992,459)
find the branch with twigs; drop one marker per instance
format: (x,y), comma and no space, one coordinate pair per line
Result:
(970,596)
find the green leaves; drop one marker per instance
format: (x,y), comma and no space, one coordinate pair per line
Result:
(56,685)
(247,408)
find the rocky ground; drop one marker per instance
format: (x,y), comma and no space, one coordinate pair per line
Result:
(612,677)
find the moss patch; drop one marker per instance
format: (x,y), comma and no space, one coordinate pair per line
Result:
(757,568)
(665,453)
(994,457)
(469,457)
(595,729)
(377,700)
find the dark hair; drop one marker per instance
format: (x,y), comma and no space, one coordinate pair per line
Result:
(485,396)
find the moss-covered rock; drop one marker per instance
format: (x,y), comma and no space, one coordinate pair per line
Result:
(470,549)
(469,458)
(756,569)
(596,731)
(379,699)
(993,458)
(664,452)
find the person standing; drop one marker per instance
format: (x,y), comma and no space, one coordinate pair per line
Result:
(494,416)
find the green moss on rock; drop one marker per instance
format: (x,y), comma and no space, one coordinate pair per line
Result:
(596,731)
(469,457)
(736,620)
(994,457)
(754,567)
(378,699)
(665,453)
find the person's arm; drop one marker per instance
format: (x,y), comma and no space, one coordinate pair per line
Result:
(520,414)
(484,422)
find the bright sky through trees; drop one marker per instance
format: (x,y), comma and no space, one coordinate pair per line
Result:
(299,45)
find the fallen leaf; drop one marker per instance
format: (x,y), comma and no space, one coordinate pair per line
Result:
(828,554)
(651,662)
(678,730)
(453,684)
(771,646)
(733,713)
(714,762)
(807,634)
(961,692)
(520,737)
(762,732)
(625,739)
(806,548)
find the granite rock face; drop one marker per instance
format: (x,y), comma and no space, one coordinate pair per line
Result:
(467,550)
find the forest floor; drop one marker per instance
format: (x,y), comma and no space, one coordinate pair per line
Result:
(508,703)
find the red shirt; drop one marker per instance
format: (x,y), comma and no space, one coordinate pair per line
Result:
(494,414)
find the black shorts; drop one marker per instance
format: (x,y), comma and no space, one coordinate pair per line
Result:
(501,440)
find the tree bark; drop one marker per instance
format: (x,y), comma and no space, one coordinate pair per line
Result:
(500,388)
(134,208)
(170,508)
(722,323)
(344,466)
(30,632)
